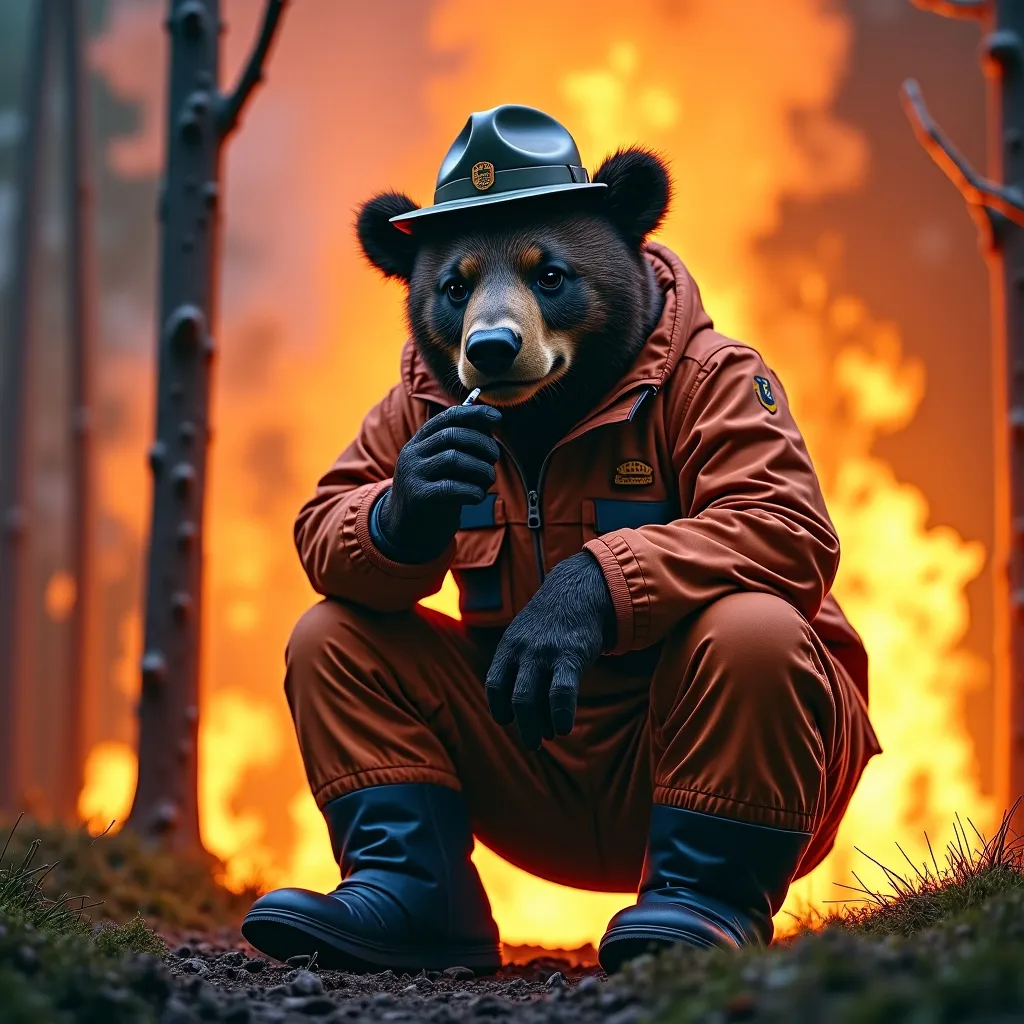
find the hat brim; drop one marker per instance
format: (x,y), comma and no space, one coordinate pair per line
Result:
(404,221)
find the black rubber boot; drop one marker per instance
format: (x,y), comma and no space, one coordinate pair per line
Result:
(410,898)
(707,881)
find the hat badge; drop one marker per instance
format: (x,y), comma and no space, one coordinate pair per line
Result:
(482,175)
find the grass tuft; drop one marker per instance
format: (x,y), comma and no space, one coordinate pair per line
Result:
(933,892)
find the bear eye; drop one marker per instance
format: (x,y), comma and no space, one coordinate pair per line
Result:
(551,279)
(457,291)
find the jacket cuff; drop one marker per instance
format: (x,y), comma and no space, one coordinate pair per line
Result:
(618,563)
(358,523)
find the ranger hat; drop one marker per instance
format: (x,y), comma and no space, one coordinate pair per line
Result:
(506,153)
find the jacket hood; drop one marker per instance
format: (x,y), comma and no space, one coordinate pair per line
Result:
(682,316)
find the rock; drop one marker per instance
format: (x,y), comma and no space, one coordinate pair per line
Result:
(516,987)
(459,973)
(557,980)
(409,989)
(236,1013)
(306,983)
(588,986)
(232,958)
(314,1006)
(194,965)
(183,951)
(254,966)
(628,1015)
(490,1006)
(26,959)
(176,1012)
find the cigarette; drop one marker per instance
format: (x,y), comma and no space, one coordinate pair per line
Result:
(472,396)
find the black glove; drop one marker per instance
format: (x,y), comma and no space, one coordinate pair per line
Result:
(447,463)
(534,678)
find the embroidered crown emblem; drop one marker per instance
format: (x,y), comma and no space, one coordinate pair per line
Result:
(634,473)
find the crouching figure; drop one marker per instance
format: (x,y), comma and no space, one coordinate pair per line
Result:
(650,686)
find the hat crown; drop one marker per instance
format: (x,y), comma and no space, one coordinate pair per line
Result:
(508,137)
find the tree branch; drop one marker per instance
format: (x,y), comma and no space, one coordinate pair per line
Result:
(230,106)
(978,191)
(955,8)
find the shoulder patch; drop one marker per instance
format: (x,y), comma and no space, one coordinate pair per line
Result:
(763,390)
(634,473)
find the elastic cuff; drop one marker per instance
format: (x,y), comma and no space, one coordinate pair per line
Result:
(738,810)
(393,775)
(360,525)
(619,590)
(380,542)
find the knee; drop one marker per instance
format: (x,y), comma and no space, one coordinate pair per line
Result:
(320,635)
(756,639)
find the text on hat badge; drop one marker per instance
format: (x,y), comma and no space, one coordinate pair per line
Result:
(482,175)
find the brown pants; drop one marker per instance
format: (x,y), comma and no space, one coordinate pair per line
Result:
(741,713)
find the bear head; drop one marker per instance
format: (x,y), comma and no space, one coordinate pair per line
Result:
(542,302)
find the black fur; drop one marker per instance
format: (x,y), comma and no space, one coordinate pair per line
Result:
(387,248)
(609,297)
(534,677)
(638,194)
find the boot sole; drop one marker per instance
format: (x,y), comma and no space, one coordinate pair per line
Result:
(282,934)
(620,945)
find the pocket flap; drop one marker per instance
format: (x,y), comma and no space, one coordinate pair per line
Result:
(478,548)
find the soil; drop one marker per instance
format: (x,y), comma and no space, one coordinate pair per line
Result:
(237,984)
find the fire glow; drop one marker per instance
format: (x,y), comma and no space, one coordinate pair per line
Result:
(310,339)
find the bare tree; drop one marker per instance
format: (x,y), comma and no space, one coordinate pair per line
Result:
(78,208)
(15,429)
(997,204)
(199,120)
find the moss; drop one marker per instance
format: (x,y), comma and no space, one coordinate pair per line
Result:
(175,893)
(54,966)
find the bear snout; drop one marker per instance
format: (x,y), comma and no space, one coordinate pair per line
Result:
(493,351)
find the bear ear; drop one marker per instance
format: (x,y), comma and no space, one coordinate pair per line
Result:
(388,248)
(638,193)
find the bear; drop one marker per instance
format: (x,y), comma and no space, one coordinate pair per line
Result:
(650,686)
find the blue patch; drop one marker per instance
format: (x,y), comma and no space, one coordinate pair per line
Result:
(621,514)
(478,517)
(479,589)
(763,390)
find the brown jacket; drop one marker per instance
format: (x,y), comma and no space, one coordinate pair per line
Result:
(692,488)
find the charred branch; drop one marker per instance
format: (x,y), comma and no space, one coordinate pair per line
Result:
(977,190)
(956,8)
(230,106)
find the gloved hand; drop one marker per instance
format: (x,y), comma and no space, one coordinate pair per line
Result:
(447,463)
(534,678)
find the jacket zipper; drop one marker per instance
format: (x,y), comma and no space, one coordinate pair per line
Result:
(533,516)
(534,520)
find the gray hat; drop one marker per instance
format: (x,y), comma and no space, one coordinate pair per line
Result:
(509,152)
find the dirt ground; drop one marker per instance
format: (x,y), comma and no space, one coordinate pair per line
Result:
(235,983)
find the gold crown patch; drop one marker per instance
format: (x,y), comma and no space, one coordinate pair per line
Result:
(482,175)
(634,473)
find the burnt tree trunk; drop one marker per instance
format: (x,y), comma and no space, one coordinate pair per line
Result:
(199,119)
(997,203)
(78,208)
(15,423)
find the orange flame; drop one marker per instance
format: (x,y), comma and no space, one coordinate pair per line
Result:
(698,83)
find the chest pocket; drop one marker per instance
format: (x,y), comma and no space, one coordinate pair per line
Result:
(602,515)
(477,566)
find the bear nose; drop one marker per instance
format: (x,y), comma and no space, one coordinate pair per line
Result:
(492,352)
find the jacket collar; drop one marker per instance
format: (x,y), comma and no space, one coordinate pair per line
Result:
(682,316)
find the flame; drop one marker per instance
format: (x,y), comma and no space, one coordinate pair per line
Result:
(745,125)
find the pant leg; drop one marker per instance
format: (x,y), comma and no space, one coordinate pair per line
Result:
(751,719)
(396,698)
